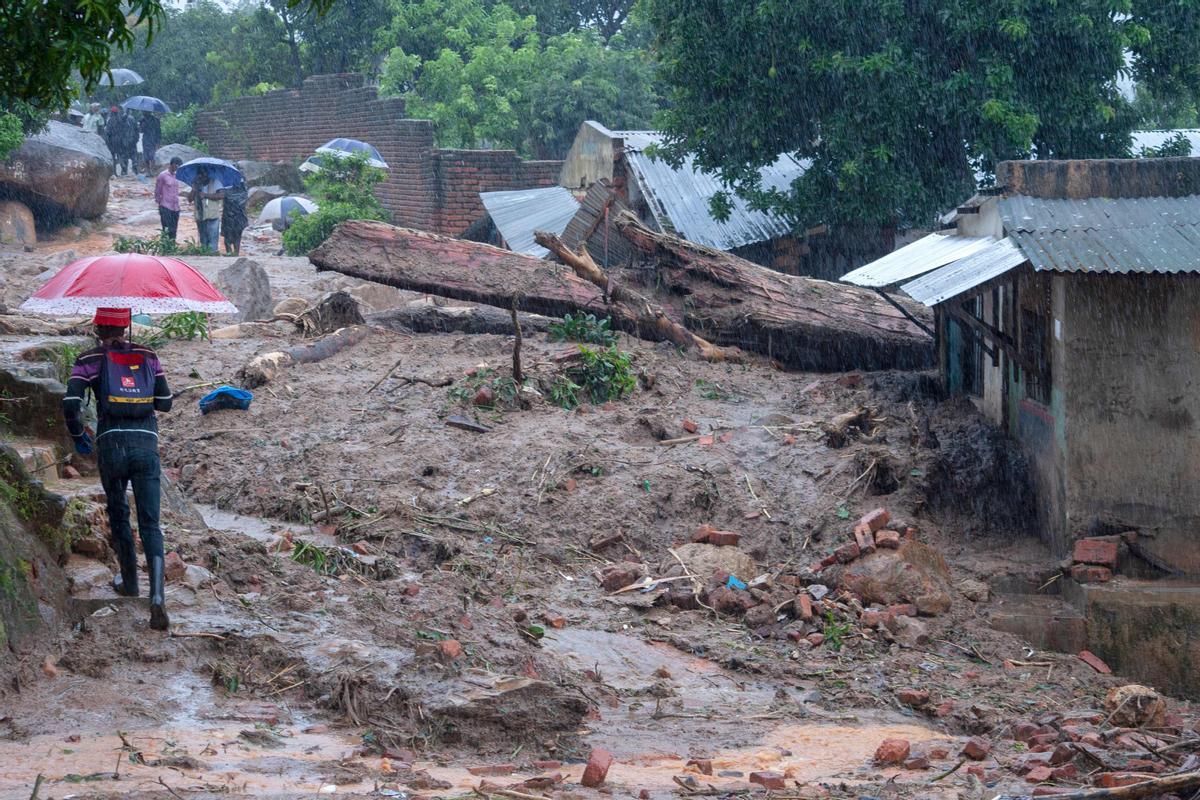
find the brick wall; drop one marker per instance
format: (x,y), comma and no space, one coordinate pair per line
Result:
(426,188)
(463,174)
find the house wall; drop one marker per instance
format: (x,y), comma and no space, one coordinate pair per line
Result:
(590,158)
(426,187)
(1132,347)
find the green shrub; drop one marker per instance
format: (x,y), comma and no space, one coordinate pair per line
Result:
(309,231)
(180,127)
(602,375)
(583,328)
(182,325)
(11,134)
(161,245)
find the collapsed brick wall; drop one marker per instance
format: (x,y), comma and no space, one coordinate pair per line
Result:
(426,187)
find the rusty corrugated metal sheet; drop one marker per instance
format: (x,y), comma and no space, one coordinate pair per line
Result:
(1143,234)
(679,198)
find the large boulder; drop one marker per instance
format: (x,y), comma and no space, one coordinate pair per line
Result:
(702,560)
(164,154)
(916,573)
(247,285)
(61,173)
(16,224)
(283,174)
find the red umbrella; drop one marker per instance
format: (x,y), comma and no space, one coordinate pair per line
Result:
(149,284)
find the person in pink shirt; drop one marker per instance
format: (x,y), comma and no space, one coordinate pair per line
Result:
(166,194)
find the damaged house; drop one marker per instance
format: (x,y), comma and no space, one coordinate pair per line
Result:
(1067,306)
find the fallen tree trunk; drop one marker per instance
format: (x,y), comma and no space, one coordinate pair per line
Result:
(427,318)
(265,368)
(801,322)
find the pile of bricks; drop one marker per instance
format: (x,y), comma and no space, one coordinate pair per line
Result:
(869,534)
(1094,559)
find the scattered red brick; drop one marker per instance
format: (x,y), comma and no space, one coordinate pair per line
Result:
(816,639)
(724,538)
(1095,662)
(492,770)
(1038,775)
(768,779)
(1062,754)
(362,548)
(597,767)
(865,539)
(1067,772)
(702,533)
(892,751)
(939,752)
(847,552)
(977,771)
(888,540)
(726,437)
(689,426)
(450,649)
(803,606)
(1089,573)
(703,765)
(555,621)
(570,484)
(547,765)
(706,440)
(1024,731)
(976,748)
(902,610)
(917,762)
(1102,552)
(618,576)
(876,520)
(484,397)
(1144,765)
(913,697)
(873,619)
(1112,780)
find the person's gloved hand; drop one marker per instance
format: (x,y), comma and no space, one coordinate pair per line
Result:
(83,444)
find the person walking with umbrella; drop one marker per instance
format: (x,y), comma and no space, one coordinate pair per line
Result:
(130,386)
(209,196)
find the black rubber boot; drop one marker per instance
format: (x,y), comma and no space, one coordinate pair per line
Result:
(126,582)
(158,600)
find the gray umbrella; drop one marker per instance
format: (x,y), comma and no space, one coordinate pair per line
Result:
(121,77)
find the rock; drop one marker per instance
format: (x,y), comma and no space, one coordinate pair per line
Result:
(60,174)
(913,573)
(597,767)
(164,154)
(259,196)
(1135,706)
(450,649)
(283,174)
(16,224)
(486,396)
(247,285)
(973,590)
(702,560)
(703,765)
(618,576)
(197,577)
(291,307)
(908,631)
(914,698)
(976,748)
(173,567)
(892,751)
(759,616)
(731,601)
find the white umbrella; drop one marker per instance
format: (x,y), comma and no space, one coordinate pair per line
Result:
(282,207)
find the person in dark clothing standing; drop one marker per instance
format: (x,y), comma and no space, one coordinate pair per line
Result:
(151,136)
(112,138)
(233,218)
(129,385)
(128,141)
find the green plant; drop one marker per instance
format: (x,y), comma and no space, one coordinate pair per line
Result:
(711,391)
(161,245)
(63,357)
(583,328)
(834,631)
(601,375)
(504,388)
(11,134)
(309,231)
(182,325)
(180,127)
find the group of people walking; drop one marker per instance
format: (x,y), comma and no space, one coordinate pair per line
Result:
(219,208)
(121,132)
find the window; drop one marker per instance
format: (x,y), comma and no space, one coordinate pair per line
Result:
(1035,351)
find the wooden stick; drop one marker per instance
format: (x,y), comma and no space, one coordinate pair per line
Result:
(1171,784)
(384,377)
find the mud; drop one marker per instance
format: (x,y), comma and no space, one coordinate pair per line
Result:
(378,602)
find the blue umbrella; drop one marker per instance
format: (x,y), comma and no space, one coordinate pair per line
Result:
(217,168)
(142,102)
(121,77)
(345,147)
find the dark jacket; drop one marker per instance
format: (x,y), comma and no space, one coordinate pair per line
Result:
(86,375)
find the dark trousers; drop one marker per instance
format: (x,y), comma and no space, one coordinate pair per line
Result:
(169,220)
(122,465)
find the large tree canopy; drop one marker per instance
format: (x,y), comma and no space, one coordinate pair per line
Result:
(898,104)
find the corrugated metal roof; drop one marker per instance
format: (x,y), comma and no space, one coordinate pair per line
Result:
(925,254)
(517,215)
(679,198)
(1157,138)
(966,273)
(1142,234)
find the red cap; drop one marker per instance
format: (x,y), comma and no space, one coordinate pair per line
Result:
(114,109)
(116,317)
